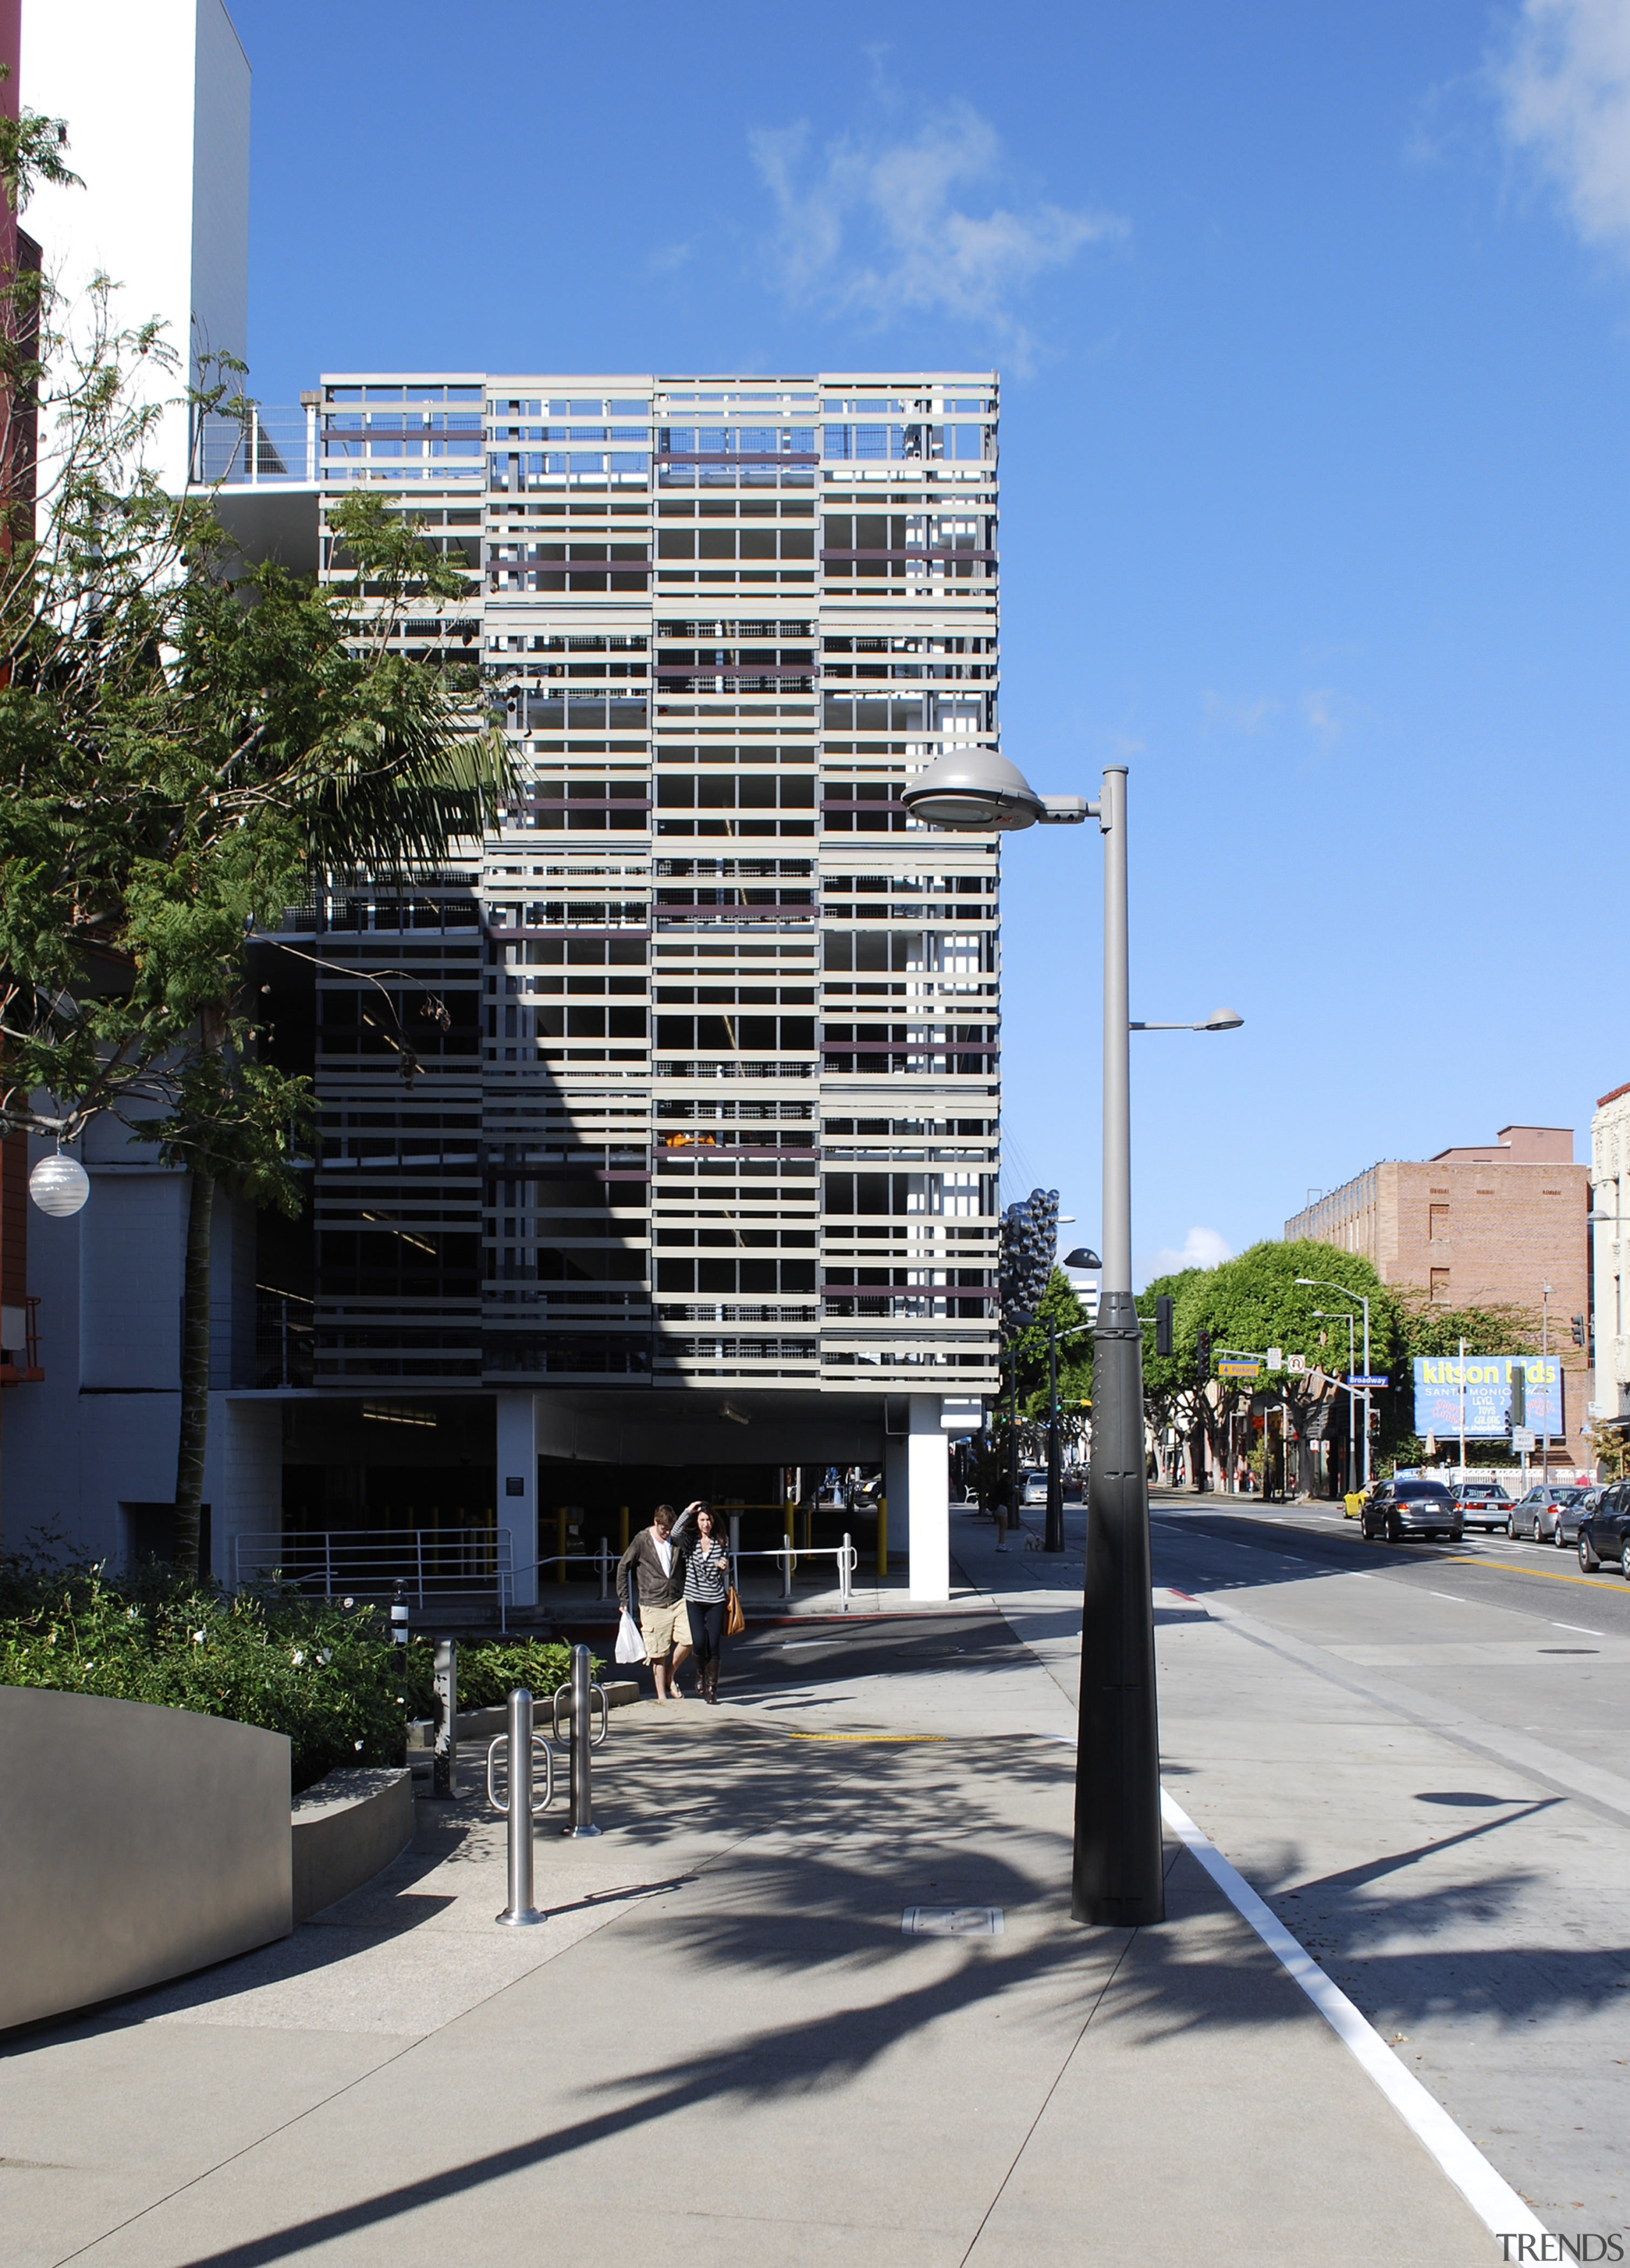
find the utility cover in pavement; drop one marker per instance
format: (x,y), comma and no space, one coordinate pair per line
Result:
(951,1921)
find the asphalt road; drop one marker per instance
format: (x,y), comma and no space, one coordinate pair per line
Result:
(1533,1611)
(1416,1753)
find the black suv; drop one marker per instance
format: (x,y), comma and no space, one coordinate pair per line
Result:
(1401,1508)
(1604,1531)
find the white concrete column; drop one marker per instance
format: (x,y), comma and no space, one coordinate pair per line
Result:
(517,1505)
(927,1501)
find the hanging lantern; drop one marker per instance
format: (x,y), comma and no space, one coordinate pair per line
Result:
(59,1185)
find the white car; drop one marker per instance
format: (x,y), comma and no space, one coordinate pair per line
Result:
(1033,1489)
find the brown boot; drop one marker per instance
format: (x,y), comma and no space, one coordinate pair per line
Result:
(711,1681)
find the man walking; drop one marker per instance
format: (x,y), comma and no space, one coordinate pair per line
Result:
(656,1564)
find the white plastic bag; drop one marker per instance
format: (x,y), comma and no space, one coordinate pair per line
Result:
(630,1645)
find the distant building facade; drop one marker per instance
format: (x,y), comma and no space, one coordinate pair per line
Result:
(1483,1226)
(1610,1185)
(658,1133)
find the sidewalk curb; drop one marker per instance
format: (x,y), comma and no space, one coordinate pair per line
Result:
(1490,2195)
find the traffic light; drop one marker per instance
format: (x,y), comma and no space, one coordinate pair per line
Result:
(1162,1324)
(1203,1351)
(1519,1395)
(1579,1330)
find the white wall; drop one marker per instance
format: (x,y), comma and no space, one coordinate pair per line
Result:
(156,96)
(101,1429)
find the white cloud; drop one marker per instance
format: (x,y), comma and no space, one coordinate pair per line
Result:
(1239,715)
(1202,1248)
(1318,708)
(1564,86)
(883,227)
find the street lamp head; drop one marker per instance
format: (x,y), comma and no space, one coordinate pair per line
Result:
(59,1185)
(974,790)
(1222,1019)
(1082,1256)
(1022,1317)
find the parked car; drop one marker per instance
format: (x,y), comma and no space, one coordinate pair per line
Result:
(1401,1508)
(1483,1504)
(1604,1531)
(1580,1504)
(1537,1514)
(1034,1489)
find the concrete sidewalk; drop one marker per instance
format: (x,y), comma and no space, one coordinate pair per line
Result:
(722,2038)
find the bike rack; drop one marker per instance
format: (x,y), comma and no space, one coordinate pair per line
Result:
(521,1746)
(584,1736)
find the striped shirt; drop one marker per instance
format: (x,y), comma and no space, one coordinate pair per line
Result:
(707,1572)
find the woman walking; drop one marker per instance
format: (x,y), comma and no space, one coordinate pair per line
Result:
(707,1581)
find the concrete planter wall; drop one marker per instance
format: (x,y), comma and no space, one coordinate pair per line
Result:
(344,1830)
(136,1844)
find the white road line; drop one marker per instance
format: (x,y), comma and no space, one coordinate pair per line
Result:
(1453,1599)
(1496,2203)
(1580,1627)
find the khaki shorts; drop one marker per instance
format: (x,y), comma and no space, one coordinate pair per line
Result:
(663,1628)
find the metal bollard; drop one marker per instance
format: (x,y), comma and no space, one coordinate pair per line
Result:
(845,1563)
(520,1746)
(604,1556)
(584,1694)
(786,1569)
(444,1770)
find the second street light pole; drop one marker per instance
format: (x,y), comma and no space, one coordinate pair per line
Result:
(1118,1875)
(1053,1538)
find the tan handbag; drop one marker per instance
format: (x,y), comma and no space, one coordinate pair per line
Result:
(735,1620)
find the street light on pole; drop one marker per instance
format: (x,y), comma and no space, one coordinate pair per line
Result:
(1053,1538)
(1117,1875)
(1324,1284)
(1346,1314)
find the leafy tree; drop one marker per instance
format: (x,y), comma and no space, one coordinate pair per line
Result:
(1253,1302)
(1058,1305)
(1428,1330)
(1173,1391)
(185,747)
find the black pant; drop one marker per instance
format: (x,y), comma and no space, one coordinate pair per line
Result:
(707,1630)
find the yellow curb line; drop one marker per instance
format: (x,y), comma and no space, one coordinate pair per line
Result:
(1544,1574)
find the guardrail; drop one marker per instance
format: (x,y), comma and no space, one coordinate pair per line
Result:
(424,1562)
(786,1557)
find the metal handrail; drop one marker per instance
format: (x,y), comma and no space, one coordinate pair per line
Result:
(375,1560)
(786,1557)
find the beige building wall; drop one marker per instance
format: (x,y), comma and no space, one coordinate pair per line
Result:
(1610,1175)
(1480,1226)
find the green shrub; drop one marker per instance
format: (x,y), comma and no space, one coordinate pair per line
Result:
(324,1672)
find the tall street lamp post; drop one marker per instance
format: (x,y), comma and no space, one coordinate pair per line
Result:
(1117,1866)
(1346,1314)
(1324,1284)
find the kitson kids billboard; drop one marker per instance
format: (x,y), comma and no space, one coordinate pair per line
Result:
(1487,1378)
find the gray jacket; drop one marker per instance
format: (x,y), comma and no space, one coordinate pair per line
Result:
(643,1560)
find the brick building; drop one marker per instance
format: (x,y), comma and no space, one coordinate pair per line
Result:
(1478,1227)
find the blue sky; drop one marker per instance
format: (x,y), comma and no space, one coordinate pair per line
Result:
(1312,325)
